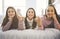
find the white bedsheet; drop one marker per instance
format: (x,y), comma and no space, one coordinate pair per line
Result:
(31,34)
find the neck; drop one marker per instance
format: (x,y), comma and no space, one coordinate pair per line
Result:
(48,18)
(29,19)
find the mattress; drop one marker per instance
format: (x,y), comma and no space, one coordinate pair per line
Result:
(48,33)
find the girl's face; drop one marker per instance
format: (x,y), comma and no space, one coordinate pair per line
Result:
(50,12)
(30,14)
(11,13)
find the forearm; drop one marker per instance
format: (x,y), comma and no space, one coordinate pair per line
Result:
(40,26)
(39,23)
(6,27)
(57,24)
(20,25)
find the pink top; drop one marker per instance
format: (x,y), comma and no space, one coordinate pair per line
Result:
(8,27)
(46,22)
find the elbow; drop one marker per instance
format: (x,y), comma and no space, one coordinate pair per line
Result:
(3,29)
(58,27)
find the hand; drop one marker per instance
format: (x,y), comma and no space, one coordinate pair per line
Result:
(10,19)
(38,20)
(58,27)
(54,17)
(20,28)
(41,28)
(20,18)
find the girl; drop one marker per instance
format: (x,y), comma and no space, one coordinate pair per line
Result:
(31,19)
(51,19)
(11,21)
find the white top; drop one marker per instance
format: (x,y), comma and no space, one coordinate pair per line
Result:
(30,22)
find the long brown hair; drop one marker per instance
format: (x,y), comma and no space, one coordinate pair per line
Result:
(34,23)
(15,19)
(58,18)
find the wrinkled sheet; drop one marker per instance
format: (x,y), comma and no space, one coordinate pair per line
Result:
(48,33)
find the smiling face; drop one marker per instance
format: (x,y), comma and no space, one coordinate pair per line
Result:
(50,12)
(11,13)
(30,14)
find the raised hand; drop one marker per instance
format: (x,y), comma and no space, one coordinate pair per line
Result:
(38,20)
(10,19)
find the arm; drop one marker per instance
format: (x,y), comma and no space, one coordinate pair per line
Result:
(21,24)
(6,27)
(39,23)
(56,23)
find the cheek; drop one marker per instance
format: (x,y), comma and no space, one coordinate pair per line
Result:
(13,14)
(51,14)
(9,14)
(30,15)
(27,14)
(33,14)
(48,15)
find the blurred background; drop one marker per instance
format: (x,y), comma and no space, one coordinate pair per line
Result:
(21,6)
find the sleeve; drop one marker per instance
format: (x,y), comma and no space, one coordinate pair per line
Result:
(6,27)
(57,24)
(21,25)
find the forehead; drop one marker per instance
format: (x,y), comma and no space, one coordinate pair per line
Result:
(50,8)
(10,9)
(30,10)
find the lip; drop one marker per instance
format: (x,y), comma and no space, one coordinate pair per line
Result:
(10,15)
(30,15)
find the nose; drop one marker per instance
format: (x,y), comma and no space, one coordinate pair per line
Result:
(50,12)
(30,13)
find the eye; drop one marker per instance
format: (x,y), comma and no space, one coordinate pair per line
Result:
(8,11)
(51,10)
(32,12)
(12,11)
(29,11)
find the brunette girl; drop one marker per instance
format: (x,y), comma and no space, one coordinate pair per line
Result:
(11,20)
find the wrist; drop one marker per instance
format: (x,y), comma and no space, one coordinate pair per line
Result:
(41,27)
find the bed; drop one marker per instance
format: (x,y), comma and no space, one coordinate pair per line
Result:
(48,33)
